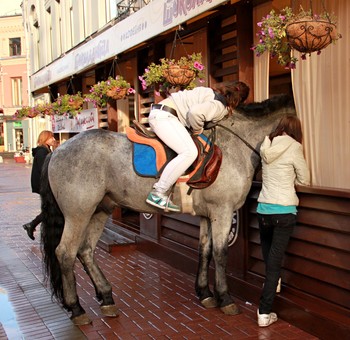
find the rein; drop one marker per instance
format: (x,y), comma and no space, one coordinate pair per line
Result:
(239,137)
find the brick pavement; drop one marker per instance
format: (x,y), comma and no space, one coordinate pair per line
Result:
(155,300)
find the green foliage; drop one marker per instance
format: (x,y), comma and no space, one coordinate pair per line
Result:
(24,112)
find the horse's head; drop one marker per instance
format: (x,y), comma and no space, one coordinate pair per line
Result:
(276,105)
(252,122)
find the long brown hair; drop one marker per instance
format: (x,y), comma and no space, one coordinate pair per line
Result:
(290,125)
(235,93)
(43,137)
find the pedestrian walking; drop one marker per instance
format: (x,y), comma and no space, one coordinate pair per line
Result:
(46,140)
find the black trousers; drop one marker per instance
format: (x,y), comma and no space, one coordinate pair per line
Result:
(275,232)
(37,220)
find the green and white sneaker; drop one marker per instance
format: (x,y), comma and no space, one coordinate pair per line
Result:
(162,201)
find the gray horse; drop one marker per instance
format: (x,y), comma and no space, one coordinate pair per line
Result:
(92,173)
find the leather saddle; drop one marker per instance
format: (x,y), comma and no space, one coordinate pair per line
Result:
(151,155)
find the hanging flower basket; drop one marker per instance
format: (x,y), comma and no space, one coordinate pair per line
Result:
(76,104)
(171,73)
(117,93)
(281,32)
(112,88)
(179,75)
(307,35)
(68,104)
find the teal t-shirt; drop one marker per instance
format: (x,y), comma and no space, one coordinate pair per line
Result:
(271,209)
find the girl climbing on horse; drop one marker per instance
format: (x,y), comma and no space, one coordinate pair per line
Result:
(183,112)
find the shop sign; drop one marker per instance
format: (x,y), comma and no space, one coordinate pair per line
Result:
(85,120)
(148,22)
(17,125)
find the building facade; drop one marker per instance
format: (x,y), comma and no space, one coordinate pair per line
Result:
(74,44)
(13,83)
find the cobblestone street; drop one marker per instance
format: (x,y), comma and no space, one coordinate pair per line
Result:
(155,300)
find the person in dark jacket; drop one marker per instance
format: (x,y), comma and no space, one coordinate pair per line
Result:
(46,140)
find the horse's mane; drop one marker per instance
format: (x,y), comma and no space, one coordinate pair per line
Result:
(258,109)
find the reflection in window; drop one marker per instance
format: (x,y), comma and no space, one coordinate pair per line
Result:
(15,46)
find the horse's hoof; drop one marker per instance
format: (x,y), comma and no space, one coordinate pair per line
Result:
(110,310)
(231,309)
(209,302)
(80,320)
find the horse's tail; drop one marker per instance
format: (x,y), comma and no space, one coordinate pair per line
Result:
(51,233)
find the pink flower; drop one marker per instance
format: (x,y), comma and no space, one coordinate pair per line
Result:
(259,24)
(198,66)
(271,33)
(131,90)
(143,83)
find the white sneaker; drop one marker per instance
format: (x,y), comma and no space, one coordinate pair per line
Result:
(265,320)
(162,201)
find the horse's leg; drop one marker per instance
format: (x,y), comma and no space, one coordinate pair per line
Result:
(86,256)
(66,253)
(205,253)
(221,226)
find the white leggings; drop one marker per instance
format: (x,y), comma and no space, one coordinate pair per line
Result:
(169,129)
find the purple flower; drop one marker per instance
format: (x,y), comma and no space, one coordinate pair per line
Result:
(259,24)
(143,83)
(271,33)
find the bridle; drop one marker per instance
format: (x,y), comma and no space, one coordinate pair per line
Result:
(240,138)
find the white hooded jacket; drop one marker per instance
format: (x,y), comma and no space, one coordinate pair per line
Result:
(284,166)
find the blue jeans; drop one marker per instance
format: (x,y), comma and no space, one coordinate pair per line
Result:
(275,232)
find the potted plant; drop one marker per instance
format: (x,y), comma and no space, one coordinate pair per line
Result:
(174,73)
(114,88)
(25,112)
(43,109)
(304,31)
(68,104)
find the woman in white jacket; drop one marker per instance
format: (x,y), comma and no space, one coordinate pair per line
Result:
(283,166)
(183,112)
